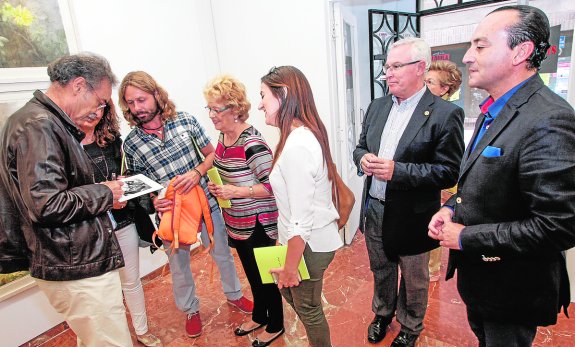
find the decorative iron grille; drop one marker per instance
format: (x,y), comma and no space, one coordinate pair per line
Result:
(386,27)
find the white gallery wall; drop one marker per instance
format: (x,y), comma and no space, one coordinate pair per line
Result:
(172,41)
(253,36)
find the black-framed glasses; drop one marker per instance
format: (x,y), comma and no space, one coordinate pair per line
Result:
(397,66)
(102,104)
(218,110)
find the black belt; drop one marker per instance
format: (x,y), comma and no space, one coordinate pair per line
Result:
(381,201)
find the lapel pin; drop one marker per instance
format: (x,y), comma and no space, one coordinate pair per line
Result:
(426,113)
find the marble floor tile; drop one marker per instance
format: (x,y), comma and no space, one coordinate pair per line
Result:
(347,296)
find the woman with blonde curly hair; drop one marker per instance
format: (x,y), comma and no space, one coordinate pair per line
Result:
(244,161)
(443,78)
(103,146)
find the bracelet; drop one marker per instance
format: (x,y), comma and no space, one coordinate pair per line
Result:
(199,173)
(251,188)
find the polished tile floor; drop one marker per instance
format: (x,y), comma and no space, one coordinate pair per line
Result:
(347,301)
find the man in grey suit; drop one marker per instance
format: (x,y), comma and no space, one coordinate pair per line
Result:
(410,148)
(514,211)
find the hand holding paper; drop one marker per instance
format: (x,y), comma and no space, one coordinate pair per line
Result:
(284,278)
(137,185)
(215,178)
(271,261)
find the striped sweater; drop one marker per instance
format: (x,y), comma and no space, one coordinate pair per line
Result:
(245,163)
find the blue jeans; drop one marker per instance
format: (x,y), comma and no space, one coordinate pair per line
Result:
(183,283)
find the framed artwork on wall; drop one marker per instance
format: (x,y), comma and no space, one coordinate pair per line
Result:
(33,33)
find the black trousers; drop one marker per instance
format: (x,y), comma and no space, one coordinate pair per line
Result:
(268,306)
(500,334)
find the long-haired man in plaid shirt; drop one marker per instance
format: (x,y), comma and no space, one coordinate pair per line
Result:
(160,146)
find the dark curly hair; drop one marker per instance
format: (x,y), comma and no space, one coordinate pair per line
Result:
(533,26)
(108,127)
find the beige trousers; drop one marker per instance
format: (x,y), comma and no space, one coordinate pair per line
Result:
(92,307)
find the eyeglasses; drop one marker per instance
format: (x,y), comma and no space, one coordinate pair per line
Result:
(218,110)
(397,66)
(102,104)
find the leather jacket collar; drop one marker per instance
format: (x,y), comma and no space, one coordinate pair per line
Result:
(59,113)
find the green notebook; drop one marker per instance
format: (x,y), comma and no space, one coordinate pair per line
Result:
(215,178)
(273,257)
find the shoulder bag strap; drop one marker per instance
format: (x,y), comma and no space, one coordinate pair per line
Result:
(197,148)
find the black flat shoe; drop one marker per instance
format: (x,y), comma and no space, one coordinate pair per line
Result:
(241,332)
(258,343)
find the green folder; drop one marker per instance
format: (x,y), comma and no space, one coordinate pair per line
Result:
(273,257)
(215,178)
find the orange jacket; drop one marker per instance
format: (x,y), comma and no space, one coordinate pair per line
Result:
(183,223)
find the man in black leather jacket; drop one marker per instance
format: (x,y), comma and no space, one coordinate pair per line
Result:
(53,214)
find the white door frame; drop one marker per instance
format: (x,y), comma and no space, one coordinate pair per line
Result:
(341,145)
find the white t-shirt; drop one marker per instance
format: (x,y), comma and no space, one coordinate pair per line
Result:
(302,190)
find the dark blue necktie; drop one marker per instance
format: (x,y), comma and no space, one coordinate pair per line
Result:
(487,120)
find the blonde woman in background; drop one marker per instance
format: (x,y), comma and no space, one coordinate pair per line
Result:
(443,79)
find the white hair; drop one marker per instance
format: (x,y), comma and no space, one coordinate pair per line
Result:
(419,49)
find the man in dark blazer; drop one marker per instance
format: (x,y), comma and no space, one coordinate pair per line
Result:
(410,148)
(514,211)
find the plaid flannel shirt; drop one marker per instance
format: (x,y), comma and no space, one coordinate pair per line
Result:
(175,155)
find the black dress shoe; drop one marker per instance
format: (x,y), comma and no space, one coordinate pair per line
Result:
(377,329)
(404,339)
(258,343)
(241,332)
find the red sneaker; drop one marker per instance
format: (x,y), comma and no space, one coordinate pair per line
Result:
(243,304)
(194,324)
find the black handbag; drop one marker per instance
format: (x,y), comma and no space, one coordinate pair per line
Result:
(144,225)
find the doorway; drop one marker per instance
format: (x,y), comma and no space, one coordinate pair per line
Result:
(348,122)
